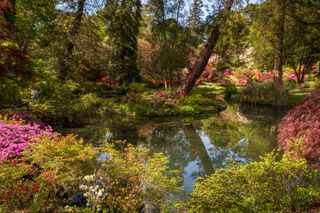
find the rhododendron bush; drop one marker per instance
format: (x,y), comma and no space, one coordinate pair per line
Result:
(303,122)
(18,131)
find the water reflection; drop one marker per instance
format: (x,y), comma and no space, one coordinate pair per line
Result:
(197,148)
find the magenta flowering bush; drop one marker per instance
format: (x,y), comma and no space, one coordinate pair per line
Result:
(229,72)
(16,134)
(162,94)
(292,76)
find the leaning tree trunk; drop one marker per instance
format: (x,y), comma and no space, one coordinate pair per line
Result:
(74,31)
(200,64)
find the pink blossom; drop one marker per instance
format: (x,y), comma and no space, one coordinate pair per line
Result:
(16,136)
(292,76)
(229,72)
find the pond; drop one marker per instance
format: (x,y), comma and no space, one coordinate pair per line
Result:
(197,145)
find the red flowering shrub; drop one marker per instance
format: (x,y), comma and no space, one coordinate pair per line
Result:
(228,72)
(303,122)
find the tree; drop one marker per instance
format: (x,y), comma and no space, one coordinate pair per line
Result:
(201,62)
(123,21)
(302,39)
(195,16)
(234,44)
(74,31)
(12,60)
(170,39)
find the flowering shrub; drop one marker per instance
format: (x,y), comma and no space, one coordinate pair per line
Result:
(263,76)
(243,81)
(292,76)
(162,94)
(48,176)
(51,169)
(18,131)
(245,76)
(229,72)
(303,122)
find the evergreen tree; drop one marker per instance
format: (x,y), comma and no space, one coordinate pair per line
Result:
(123,22)
(195,16)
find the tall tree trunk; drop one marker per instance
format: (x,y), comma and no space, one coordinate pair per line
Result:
(280,22)
(74,31)
(200,64)
(281,96)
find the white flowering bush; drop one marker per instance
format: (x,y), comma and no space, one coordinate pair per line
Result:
(93,191)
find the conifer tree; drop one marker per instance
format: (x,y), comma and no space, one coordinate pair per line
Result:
(122,25)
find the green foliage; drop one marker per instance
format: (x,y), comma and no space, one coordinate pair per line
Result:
(139,87)
(56,100)
(261,93)
(154,105)
(48,171)
(266,186)
(51,173)
(229,91)
(137,179)
(9,91)
(233,46)
(123,22)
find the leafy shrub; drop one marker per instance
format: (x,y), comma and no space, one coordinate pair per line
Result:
(165,104)
(262,93)
(197,99)
(266,186)
(139,87)
(47,175)
(62,102)
(9,90)
(229,91)
(130,180)
(303,122)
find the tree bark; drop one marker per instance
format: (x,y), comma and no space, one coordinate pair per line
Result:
(281,97)
(74,31)
(200,64)
(280,22)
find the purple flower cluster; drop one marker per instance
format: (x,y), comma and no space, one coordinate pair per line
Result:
(16,136)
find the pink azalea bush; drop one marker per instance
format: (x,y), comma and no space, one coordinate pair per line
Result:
(16,134)
(263,76)
(229,72)
(243,81)
(292,76)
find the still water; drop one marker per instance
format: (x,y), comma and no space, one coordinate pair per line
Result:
(198,145)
